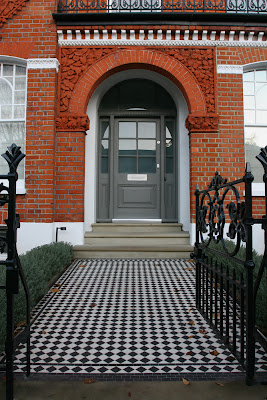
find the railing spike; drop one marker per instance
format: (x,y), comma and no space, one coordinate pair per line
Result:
(248,167)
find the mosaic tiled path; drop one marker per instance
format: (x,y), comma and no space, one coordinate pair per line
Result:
(126,318)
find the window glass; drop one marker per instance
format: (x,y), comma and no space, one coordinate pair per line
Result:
(127,129)
(147,165)
(104,131)
(255,117)
(147,130)
(169,146)
(147,147)
(127,165)
(12,111)
(137,94)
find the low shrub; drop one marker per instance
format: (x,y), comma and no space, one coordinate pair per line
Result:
(261,301)
(40,265)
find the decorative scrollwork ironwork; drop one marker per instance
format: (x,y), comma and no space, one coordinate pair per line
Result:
(216,181)
(212,215)
(230,6)
(3,196)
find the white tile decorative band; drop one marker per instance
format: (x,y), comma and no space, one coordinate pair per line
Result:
(140,37)
(40,63)
(137,42)
(229,69)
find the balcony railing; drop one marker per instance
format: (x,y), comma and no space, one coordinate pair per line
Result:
(155,6)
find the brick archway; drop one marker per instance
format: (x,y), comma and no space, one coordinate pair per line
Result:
(135,59)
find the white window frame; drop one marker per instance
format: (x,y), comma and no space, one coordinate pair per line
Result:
(20,188)
(258,189)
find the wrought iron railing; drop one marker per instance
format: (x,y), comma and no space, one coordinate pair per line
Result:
(152,6)
(225,296)
(13,269)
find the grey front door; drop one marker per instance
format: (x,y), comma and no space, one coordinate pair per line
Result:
(136,170)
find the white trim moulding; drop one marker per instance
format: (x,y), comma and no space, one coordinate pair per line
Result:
(157,38)
(40,63)
(229,69)
(136,42)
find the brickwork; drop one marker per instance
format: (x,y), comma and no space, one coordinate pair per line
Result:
(56,106)
(101,65)
(69,180)
(32,25)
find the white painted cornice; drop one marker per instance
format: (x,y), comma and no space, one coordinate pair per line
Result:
(158,37)
(40,63)
(229,69)
(118,42)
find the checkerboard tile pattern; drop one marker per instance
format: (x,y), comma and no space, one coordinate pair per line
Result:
(126,317)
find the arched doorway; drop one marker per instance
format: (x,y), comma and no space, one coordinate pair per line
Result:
(137,165)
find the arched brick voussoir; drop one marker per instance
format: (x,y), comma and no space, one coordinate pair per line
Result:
(138,59)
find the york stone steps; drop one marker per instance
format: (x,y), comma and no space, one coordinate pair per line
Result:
(135,240)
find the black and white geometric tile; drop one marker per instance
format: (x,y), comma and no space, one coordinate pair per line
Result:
(126,317)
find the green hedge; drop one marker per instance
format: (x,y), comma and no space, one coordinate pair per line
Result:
(261,315)
(40,265)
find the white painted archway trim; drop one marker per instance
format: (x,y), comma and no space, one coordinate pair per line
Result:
(91,144)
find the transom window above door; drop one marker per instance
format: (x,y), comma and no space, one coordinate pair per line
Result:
(137,95)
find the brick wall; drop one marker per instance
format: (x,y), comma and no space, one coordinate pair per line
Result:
(69,179)
(55,161)
(31,33)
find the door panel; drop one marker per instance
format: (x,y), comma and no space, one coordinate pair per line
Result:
(137,169)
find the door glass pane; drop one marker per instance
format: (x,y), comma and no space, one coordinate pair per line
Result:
(104,147)
(147,147)
(127,147)
(127,165)
(147,130)
(169,165)
(104,165)
(146,165)
(169,137)
(105,130)
(127,129)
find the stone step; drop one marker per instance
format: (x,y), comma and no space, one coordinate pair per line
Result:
(132,251)
(137,238)
(133,227)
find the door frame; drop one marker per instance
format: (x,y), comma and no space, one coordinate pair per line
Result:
(111,116)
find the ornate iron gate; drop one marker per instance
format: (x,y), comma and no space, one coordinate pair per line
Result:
(13,267)
(225,296)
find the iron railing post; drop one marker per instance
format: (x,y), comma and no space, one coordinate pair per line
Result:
(198,265)
(13,157)
(11,284)
(250,304)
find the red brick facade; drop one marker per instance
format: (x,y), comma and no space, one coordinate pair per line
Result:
(57,104)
